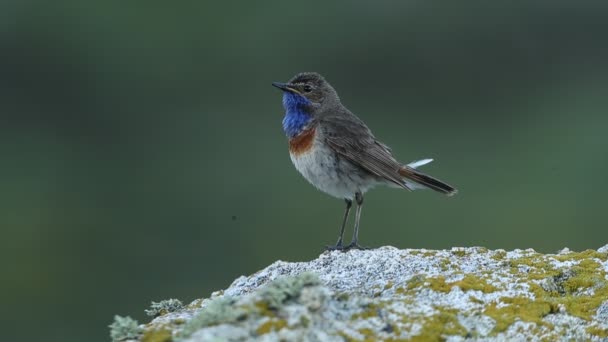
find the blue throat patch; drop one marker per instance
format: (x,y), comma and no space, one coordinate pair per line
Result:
(296,115)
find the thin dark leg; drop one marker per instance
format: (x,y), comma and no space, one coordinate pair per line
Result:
(355,242)
(339,245)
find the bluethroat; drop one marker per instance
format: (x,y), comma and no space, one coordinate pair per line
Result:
(336,152)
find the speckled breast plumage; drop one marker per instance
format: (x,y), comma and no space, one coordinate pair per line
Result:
(324,168)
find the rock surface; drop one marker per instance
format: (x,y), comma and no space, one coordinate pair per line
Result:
(418,295)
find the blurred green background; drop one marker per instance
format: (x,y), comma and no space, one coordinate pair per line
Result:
(143,156)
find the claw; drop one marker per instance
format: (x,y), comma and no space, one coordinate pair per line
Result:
(355,245)
(342,248)
(338,247)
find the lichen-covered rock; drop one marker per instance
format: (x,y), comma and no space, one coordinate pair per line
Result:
(419,295)
(164,307)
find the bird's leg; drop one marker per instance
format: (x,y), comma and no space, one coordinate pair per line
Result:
(339,245)
(355,242)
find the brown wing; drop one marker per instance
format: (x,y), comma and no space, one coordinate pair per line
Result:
(348,136)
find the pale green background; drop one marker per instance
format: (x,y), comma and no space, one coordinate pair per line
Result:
(143,156)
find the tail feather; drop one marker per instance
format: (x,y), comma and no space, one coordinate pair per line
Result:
(417,163)
(411,173)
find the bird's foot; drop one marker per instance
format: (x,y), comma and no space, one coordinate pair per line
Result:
(355,245)
(338,247)
(341,247)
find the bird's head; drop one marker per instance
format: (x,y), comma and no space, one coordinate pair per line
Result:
(307,90)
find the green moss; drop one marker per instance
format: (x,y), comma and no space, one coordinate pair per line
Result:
(438,326)
(271,325)
(124,328)
(157,335)
(164,307)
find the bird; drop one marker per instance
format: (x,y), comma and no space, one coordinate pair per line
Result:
(338,154)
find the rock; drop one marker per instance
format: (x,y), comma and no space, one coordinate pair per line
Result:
(386,293)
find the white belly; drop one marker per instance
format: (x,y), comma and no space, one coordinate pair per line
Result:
(334,176)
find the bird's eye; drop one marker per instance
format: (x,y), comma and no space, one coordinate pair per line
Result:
(307,88)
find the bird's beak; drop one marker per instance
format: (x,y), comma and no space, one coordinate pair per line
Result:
(284,87)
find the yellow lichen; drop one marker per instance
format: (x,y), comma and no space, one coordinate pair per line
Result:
(580,290)
(584,255)
(469,282)
(597,331)
(459,252)
(263,309)
(518,308)
(401,291)
(346,337)
(370,310)
(438,284)
(368,335)
(414,282)
(539,267)
(304,321)
(157,335)
(438,326)
(195,304)
(445,264)
(583,291)
(271,325)
(342,296)
(499,255)
(476,300)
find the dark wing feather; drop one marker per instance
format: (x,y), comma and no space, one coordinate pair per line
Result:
(348,136)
